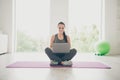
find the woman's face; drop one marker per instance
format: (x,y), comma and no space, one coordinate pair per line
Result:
(61,28)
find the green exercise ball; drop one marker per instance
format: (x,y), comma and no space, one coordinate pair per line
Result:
(102,48)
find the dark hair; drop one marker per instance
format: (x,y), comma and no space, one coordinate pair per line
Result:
(65,37)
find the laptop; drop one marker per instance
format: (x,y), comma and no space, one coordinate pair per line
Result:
(61,47)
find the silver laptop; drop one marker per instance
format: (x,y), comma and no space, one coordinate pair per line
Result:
(61,47)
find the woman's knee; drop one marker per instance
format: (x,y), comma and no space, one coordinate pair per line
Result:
(48,50)
(73,51)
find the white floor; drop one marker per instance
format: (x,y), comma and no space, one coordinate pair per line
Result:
(58,73)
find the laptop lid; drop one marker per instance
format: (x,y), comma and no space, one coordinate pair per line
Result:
(61,47)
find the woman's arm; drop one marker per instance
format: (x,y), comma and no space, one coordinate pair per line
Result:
(52,40)
(68,40)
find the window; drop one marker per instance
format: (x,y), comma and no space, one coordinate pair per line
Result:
(32,23)
(84,24)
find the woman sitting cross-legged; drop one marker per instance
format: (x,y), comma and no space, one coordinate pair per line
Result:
(63,59)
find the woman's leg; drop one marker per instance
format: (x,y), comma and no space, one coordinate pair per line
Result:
(52,55)
(69,56)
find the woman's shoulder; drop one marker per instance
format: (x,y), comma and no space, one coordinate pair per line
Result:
(67,35)
(53,35)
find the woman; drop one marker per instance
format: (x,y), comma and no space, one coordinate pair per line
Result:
(61,58)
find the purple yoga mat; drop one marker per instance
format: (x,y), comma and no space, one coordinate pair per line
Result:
(39,64)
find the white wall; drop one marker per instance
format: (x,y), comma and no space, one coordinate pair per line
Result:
(59,12)
(6,20)
(111,32)
(118,22)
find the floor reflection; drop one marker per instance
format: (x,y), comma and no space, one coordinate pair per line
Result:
(60,74)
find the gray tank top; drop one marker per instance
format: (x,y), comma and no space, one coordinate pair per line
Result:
(56,40)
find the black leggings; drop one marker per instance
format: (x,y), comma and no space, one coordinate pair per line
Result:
(60,56)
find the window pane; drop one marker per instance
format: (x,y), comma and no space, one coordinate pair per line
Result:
(84,24)
(32,22)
